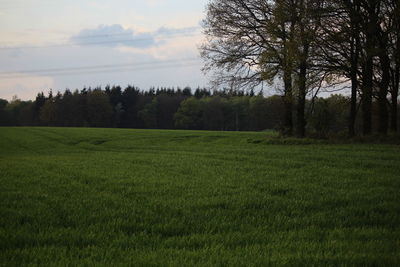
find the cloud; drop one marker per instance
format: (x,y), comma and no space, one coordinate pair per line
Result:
(112,36)
(182,47)
(163,31)
(116,36)
(171,46)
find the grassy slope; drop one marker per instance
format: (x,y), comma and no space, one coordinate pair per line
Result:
(99,196)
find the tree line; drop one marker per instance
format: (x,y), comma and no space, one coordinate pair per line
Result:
(306,45)
(166,108)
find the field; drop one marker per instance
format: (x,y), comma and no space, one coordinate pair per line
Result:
(106,197)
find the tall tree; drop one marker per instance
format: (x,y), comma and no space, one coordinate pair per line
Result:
(250,42)
(369,17)
(308,13)
(394,51)
(339,48)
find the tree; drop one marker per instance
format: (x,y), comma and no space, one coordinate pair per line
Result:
(370,14)
(115,96)
(339,48)
(356,41)
(258,113)
(394,51)
(251,42)
(3,114)
(189,114)
(38,104)
(17,110)
(167,105)
(308,15)
(99,109)
(240,112)
(149,114)
(48,113)
(329,115)
(215,113)
(130,99)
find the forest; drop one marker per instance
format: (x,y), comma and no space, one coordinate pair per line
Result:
(168,108)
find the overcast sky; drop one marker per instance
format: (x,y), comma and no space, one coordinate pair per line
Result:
(62,44)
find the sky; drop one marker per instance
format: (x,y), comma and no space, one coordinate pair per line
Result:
(59,44)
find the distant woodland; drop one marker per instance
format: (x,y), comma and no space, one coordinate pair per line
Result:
(164,108)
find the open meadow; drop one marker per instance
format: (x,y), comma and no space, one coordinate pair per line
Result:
(101,197)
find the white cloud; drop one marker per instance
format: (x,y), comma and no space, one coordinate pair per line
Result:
(117,35)
(182,47)
(113,35)
(170,45)
(50,24)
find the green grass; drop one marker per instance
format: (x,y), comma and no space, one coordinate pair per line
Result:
(106,197)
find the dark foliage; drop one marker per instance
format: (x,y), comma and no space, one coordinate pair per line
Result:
(166,108)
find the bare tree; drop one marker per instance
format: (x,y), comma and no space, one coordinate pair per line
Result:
(358,41)
(236,37)
(339,46)
(251,42)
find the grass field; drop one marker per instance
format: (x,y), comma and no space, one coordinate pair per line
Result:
(180,198)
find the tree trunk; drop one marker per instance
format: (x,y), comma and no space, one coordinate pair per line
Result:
(368,75)
(367,96)
(288,38)
(394,95)
(288,103)
(383,92)
(355,47)
(354,84)
(301,97)
(395,83)
(353,106)
(371,31)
